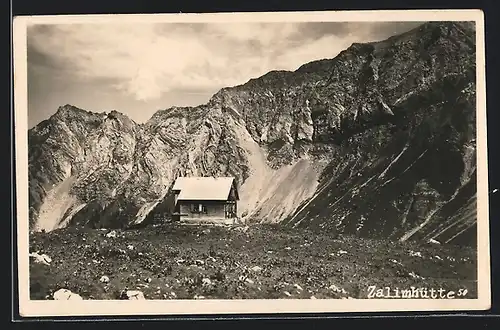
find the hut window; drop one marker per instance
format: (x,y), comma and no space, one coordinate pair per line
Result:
(198,208)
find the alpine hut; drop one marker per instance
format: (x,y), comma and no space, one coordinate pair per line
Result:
(205,199)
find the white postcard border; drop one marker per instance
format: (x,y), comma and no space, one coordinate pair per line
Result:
(30,308)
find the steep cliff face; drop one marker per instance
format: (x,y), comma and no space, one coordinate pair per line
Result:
(379,141)
(406,168)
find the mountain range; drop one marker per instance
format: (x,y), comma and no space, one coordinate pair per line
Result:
(378,142)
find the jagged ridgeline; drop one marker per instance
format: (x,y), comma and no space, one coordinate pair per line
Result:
(378,141)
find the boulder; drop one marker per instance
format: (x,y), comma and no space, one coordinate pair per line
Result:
(104,279)
(65,294)
(135,295)
(41,258)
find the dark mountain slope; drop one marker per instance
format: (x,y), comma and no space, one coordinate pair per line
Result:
(394,178)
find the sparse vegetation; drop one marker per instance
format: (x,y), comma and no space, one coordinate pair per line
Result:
(172,261)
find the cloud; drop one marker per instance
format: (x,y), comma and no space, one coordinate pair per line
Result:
(147,60)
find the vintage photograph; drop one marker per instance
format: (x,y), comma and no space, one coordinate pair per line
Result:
(251,162)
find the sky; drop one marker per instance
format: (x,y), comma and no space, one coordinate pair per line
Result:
(140,68)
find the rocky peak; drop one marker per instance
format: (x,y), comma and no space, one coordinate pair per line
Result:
(70,112)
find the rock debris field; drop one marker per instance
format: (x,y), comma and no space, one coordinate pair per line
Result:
(172,261)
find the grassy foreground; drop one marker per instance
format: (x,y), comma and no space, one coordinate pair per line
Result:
(172,261)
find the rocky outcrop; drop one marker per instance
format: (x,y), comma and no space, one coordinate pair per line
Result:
(378,141)
(75,158)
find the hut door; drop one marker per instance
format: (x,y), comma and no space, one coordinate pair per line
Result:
(229,210)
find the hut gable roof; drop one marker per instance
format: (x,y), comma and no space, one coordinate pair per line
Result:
(204,188)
